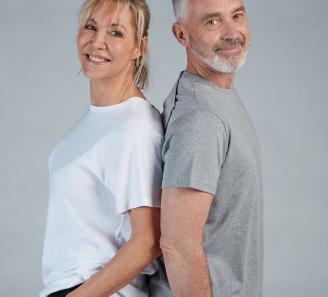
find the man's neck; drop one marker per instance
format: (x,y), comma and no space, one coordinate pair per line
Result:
(222,80)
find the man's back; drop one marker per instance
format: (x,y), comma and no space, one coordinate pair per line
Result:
(211,145)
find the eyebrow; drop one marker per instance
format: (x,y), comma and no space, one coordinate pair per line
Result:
(215,14)
(241,8)
(111,25)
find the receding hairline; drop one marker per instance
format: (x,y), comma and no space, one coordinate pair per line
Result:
(179,7)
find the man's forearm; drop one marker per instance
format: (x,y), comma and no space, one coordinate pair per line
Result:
(187,272)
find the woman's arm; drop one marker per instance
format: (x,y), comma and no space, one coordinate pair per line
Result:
(131,259)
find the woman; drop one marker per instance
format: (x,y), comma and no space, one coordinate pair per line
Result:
(103,218)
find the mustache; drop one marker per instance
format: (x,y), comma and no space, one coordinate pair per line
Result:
(228,43)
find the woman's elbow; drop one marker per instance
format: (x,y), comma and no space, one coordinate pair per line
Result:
(154,247)
(150,246)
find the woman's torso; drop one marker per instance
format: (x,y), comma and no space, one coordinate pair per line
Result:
(84,227)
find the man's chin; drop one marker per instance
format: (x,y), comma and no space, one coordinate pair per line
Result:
(231,63)
(223,66)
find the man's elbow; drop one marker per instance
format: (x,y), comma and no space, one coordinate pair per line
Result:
(180,248)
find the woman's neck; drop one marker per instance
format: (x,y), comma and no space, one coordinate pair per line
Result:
(110,92)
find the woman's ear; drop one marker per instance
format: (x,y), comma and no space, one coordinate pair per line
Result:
(140,50)
(180,33)
(144,45)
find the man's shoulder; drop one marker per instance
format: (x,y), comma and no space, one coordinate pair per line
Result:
(194,96)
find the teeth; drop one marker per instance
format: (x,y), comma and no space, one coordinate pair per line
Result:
(96,59)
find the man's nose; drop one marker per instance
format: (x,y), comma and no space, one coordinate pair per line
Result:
(229,30)
(99,39)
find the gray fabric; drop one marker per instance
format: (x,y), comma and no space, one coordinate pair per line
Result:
(211,145)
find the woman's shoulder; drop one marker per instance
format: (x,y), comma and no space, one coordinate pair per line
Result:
(143,117)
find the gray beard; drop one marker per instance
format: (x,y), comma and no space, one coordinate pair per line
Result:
(217,63)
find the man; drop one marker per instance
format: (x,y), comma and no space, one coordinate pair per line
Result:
(211,219)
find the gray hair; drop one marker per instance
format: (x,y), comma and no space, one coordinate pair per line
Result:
(179,7)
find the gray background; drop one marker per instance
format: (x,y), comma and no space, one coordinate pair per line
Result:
(283,86)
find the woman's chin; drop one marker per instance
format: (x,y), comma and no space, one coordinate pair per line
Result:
(92,75)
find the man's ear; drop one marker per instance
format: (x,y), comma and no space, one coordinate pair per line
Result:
(180,33)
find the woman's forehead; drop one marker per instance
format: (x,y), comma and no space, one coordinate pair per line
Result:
(111,13)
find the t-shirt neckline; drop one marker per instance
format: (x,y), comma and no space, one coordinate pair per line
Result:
(207,82)
(95,108)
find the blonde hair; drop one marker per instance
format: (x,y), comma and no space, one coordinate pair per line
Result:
(141,13)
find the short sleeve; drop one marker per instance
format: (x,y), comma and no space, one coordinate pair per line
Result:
(194,151)
(135,171)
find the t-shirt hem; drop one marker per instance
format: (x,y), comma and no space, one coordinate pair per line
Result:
(201,186)
(59,286)
(123,210)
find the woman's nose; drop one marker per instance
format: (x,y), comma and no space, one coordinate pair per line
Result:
(99,39)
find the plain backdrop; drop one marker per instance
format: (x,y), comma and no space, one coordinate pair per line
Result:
(283,86)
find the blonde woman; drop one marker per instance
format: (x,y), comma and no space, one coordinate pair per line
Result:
(105,175)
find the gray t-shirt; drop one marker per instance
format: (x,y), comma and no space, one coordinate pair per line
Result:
(211,145)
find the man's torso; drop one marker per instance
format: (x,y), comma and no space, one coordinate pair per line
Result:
(233,234)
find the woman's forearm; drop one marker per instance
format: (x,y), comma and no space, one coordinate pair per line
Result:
(131,259)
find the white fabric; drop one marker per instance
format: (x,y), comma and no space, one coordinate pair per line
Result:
(108,163)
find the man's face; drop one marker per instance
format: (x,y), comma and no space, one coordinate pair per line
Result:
(218,33)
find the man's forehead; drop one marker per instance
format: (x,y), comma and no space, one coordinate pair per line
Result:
(214,6)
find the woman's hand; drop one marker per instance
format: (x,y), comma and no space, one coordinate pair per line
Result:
(76,293)
(131,259)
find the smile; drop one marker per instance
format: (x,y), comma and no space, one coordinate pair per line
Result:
(231,49)
(96,59)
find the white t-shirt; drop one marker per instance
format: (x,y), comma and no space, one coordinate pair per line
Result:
(108,163)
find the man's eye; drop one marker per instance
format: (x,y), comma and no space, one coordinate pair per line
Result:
(212,22)
(116,34)
(89,27)
(238,16)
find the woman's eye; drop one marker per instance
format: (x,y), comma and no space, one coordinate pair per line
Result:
(116,34)
(89,27)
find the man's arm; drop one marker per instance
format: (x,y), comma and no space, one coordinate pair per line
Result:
(183,216)
(131,259)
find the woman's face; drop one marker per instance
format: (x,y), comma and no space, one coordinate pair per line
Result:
(107,44)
